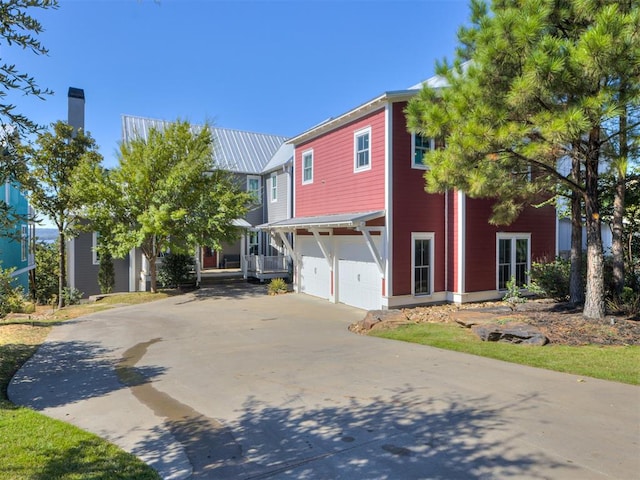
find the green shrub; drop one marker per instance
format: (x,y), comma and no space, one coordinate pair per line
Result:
(551,279)
(106,273)
(11,297)
(513,296)
(177,269)
(71,296)
(276,286)
(46,275)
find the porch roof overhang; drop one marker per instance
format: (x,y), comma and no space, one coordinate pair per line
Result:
(341,220)
(241,222)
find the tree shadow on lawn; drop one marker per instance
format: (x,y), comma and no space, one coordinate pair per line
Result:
(403,436)
(62,373)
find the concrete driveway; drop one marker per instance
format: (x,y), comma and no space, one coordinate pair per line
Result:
(229,383)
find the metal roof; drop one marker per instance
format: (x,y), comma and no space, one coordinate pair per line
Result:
(283,156)
(234,150)
(341,220)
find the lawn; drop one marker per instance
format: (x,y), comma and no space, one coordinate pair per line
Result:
(617,363)
(36,447)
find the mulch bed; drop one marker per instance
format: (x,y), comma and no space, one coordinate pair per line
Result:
(559,322)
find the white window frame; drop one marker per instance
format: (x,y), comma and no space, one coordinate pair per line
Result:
(422,236)
(259,190)
(95,258)
(356,135)
(274,187)
(253,240)
(307,154)
(432,147)
(24,242)
(512,237)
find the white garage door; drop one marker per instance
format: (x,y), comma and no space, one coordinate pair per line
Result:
(359,281)
(315,277)
(359,284)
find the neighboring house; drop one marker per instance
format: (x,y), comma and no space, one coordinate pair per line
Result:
(16,246)
(366,233)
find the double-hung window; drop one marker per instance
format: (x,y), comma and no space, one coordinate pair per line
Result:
(514,252)
(253,187)
(307,167)
(274,187)
(420,146)
(24,242)
(362,149)
(422,263)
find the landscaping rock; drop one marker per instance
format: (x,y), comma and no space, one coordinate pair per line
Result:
(377,318)
(511,333)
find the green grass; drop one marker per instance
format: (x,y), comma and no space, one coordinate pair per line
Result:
(620,364)
(36,447)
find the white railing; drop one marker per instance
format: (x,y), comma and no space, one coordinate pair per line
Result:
(263,263)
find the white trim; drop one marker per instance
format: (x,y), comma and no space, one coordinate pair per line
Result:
(422,236)
(71,262)
(474,296)
(95,260)
(132,270)
(512,236)
(411,300)
(462,234)
(273,190)
(356,135)
(305,153)
(432,147)
(15,273)
(377,257)
(7,192)
(259,191)
(24,242)
(387,246)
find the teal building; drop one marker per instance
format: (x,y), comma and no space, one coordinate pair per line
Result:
(17,247)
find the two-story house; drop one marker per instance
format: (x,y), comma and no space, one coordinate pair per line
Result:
(366,233)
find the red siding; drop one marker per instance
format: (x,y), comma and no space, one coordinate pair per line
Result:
(336,188)
(480,268)
(414,210)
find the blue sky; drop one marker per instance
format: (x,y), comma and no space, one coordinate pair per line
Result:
(266,66)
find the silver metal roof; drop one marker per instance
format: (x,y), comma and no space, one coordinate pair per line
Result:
(283,156)
(234,150)
(341,220)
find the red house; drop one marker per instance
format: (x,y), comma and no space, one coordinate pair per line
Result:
(368,235)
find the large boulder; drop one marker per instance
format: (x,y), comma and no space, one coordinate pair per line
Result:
(379,319)
(511,333)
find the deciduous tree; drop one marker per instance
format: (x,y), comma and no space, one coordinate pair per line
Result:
(165,194)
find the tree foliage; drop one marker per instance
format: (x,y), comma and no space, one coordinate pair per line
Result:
(20,29)
(165,195)
(537,86)
(53,161)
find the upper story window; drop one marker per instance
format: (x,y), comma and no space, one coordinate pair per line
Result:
(274,187)
(24,242)
(420,146)
(307,167)
(362,149)
(253,187)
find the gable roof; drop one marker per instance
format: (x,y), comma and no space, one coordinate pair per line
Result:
(283,156)
(234,150)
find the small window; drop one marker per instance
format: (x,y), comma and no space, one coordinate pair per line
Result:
(253,187)
(420,147)
(362,149)
(422,260)
(94,249)
(274,187)
(24,242)
(307,167)
(513,259)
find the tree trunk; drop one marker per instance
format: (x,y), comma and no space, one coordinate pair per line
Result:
(617,242)
(594,307)
(62,268)
(576,283)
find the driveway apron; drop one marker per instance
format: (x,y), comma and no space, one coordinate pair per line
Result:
(229,383)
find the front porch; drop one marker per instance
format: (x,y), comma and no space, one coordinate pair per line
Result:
(265,267)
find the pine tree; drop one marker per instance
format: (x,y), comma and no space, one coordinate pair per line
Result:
(541,92)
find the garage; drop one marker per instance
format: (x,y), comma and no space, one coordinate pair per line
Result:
(359,281)
(315,276)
